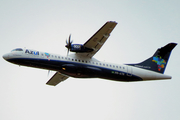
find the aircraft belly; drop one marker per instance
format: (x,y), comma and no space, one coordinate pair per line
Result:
(77,70)
(80,71)
(85,71)
(118,75)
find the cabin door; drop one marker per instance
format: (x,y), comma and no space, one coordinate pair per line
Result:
(129,71)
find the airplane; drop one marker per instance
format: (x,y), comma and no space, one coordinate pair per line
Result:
(82,64)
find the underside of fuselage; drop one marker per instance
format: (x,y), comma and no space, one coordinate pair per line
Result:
(77,70)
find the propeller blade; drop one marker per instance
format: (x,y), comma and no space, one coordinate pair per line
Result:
(68,44)
(68,52)
(69,38)
(66,41)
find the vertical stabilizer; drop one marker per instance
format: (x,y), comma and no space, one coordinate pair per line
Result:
(159,60)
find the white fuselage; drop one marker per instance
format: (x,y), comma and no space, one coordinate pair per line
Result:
(81,67)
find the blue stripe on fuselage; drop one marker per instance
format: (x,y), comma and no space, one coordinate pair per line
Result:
(76,69)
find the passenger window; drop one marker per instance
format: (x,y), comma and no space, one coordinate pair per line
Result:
(62,57)
(59,57)
(72,59)
(75,59)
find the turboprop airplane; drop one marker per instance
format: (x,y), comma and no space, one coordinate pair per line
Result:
(82,64)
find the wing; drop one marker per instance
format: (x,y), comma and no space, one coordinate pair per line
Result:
(98,39)
(56,79)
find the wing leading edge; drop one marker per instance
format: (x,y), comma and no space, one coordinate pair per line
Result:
(98,39)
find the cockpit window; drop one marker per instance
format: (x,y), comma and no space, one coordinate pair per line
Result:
(17,49)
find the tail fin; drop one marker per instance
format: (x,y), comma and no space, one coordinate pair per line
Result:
(159,60)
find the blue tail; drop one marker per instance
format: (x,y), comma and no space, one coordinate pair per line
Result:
(159,60)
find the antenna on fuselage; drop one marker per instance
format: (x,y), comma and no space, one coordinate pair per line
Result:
(48,72)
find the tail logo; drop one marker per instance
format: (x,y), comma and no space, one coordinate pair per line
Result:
(160,62)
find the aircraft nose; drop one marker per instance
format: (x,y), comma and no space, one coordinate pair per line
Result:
(6,56)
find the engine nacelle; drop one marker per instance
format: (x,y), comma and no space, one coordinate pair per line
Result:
(79,48)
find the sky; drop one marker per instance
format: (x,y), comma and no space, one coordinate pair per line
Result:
(44,25)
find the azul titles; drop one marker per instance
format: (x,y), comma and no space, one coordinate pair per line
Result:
(32,52)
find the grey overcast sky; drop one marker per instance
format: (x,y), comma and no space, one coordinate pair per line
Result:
(44,25)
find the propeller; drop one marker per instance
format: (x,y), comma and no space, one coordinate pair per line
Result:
(68,44)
